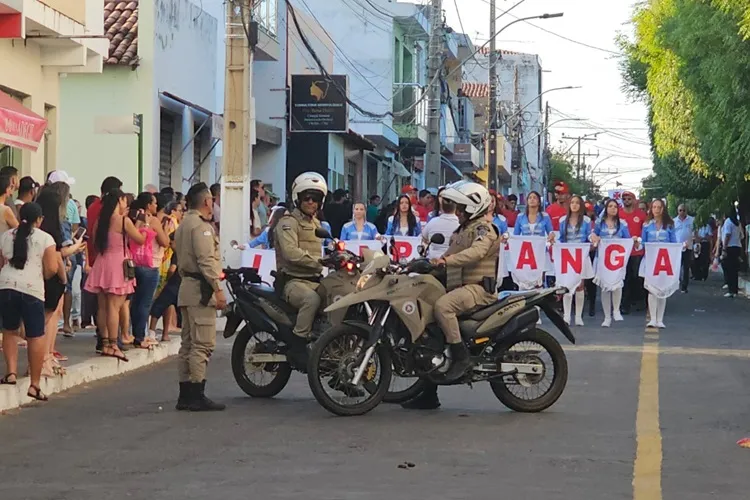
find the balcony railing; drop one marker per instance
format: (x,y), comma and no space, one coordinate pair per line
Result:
(414,120)
(265,13)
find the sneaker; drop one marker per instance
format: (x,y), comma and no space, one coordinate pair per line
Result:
(729,295)
(651,324)
(618,317)
(607,322)
(660,324)
(725,287)
(567,321)
(59,356)
(579,321)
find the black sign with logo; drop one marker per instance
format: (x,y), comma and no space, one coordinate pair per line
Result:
(318,104)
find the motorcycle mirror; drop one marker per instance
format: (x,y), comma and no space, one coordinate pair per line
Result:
(437,239)
(323,234)
(420,249)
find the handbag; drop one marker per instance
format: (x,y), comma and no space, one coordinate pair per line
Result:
(143,255)
(128,266)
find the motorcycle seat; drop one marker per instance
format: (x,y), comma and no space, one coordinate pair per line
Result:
(481,313)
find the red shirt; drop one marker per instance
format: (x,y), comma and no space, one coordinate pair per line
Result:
(510,216)
(635,221)
(423,211)
(556,212)
(92,217)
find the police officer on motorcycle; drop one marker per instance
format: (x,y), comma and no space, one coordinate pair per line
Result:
(298,252)
(471,266)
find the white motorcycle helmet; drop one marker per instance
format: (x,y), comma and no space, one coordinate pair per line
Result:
(309,181)
(471,195)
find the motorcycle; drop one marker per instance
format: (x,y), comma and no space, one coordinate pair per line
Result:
(507,348)
(260,348)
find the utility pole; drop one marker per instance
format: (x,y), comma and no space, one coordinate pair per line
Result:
(432,177)
(588,137)
(492,171)
(238,130)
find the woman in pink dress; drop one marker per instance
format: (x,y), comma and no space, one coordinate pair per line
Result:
(107,277)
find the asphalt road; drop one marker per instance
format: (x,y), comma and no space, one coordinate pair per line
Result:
(672,421)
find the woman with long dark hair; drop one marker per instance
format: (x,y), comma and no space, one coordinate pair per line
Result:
(660,228)
(29,256)
(403,222)
(610,227)
(732,249)
(53,207)
(148,258)
(575,227)
(107,278)
(534,221)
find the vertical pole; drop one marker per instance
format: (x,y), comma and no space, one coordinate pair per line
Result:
(139,118)
(432,174)
(578,164)
(545,156)
(237,150)
(492,170)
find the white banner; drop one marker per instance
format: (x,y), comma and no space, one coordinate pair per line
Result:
(356,246)
(612,263)
(262,260)
(528,260)
(551,269)
(661,268)
(572,264)
(407,246)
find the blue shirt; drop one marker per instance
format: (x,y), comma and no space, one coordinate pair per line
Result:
(729,229)
(604,232)
(664,235)
(349,231)
(705,232)
(542,226)
(394,229)
(261,239)
(325,225)
(571,234)
(684,230)
(501,223)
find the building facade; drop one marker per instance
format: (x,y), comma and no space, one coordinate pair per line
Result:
(37,52)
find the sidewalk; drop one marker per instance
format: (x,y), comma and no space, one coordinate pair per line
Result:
(745,285)
(83,366)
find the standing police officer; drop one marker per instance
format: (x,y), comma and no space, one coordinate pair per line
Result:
(199,297)
(471,261)
(298,253)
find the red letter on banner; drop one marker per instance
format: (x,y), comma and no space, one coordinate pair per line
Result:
(569,260)
(663,264)
(614,261)
(256,261)
(404,249)
(526,256)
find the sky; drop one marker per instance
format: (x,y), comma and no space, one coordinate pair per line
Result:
(622,145)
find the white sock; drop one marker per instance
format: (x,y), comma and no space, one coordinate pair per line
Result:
(607,304)
(661,306)
(567,299)
(579,305)
(652,307)
(616,300)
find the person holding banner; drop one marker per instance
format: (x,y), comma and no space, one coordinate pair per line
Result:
(660,229)
(358,228)
(575,227)
(534,222)
(611,227)
(403,222)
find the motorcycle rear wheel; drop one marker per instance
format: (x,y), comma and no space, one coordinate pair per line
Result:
(280,371)
(559,380)
(319,365)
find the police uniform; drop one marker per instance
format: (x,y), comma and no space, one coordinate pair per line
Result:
(197,250)
(473,248)
(298,253)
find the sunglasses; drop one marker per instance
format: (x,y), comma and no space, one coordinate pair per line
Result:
(309,197)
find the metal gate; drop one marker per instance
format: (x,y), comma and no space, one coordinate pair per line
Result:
(166,134)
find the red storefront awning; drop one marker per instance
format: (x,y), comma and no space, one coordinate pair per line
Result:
(19,126)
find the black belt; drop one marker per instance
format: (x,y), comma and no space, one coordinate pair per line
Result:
(207,291)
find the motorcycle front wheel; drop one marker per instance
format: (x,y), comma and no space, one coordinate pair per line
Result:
(333,361)
(259,380)
(532,393)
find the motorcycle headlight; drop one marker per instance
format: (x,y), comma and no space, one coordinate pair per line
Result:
(362,281)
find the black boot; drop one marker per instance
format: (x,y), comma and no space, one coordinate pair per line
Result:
(460,362)
(200,402)
(427,400)
(298,353)
(183,400)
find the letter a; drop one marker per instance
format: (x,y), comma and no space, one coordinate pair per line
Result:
(663,264)
(526,256)
(568,260)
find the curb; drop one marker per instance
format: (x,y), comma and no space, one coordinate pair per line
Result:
(744,287)
(95,368)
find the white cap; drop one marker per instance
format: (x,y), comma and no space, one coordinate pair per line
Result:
(61,176)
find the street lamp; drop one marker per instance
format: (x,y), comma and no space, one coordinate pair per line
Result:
(570,87)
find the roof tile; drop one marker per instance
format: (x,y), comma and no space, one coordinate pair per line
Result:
(475,89)
(121,27)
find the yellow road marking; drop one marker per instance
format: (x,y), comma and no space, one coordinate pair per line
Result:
(648,453)
(688,351)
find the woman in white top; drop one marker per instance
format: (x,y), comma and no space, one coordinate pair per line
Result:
(28,256)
